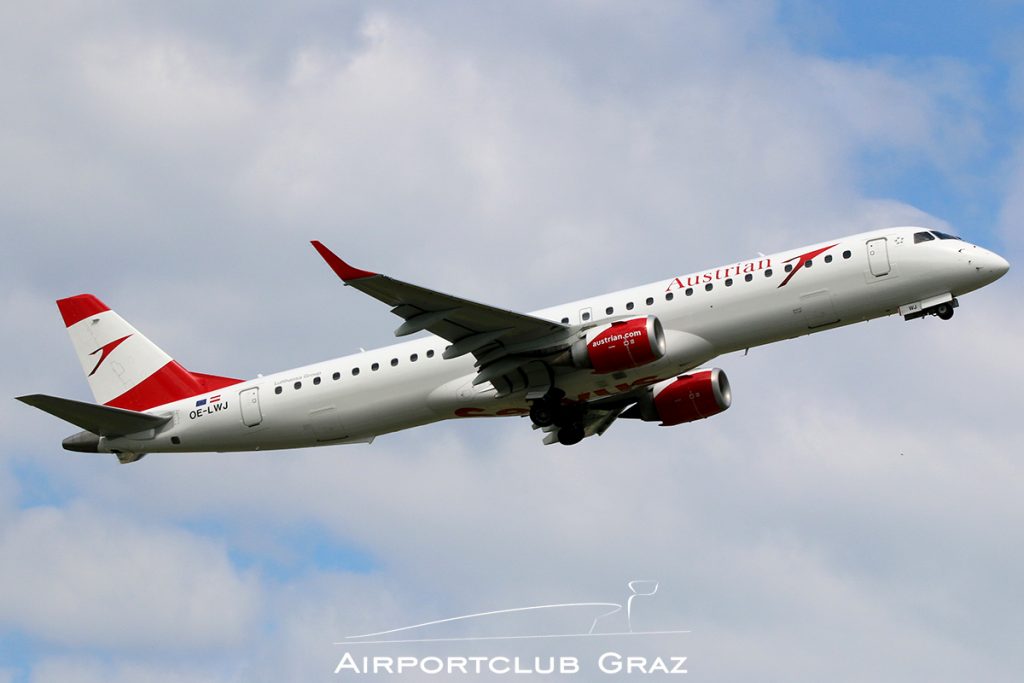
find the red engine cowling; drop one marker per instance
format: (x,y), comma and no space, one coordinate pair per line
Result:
(687,398)
(621,345)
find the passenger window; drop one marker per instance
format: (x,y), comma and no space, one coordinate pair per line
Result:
(808,263)
(355,371)
(375,367)
(768,273)
(669,296)
(565,321)
(708,287)
(586,316)
(316,380)
(609,310)
(828,258)
(413,358)
(336,376)
(650,301)
(629,306)
(728,282)
(278,390)
(689,291)
(394,362)
(430,353)
(847,254)
(298,385)
(748,277)
(789,267)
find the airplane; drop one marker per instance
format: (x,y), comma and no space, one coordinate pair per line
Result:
(573,369)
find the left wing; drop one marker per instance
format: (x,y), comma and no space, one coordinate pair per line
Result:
(506,345)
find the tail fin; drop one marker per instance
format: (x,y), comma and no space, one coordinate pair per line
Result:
(124,368)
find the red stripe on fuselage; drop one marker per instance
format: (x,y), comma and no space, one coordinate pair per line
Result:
(76,308)
(170,383)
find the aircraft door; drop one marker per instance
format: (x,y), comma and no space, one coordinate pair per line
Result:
(249,400)
(878,257)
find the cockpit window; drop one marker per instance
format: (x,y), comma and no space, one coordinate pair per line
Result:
(923,237)
(944,236)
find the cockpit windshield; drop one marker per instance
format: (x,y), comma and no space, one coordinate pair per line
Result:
(923,237)
(944,236)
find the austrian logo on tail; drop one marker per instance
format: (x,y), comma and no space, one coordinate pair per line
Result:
(105,351)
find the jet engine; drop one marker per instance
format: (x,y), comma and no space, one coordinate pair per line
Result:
(684,399)
(621,345)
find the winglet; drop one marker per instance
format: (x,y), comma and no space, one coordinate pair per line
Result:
(342,269)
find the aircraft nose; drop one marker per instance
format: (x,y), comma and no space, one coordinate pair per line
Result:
(995,264)
(987,265)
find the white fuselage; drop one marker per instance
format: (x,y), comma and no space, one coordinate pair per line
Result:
(736,306)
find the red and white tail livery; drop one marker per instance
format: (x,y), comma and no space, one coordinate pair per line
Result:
(140,375)
(573,369)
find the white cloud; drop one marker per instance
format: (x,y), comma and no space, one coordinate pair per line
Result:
(83,578)
(89,670)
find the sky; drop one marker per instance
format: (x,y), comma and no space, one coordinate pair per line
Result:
(856,515)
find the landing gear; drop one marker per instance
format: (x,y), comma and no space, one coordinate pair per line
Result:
(571,434)
(921,309)
(543,413)
(566,421)
(546,411)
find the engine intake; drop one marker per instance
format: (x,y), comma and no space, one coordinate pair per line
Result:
(621,345)
(686,398)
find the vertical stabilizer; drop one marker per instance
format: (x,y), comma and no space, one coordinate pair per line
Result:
(124,368)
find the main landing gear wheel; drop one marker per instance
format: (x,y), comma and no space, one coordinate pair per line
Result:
(944,311)
(546,411)
(570,434)
(543,413)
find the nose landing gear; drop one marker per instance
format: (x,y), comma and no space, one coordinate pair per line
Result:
(942,309)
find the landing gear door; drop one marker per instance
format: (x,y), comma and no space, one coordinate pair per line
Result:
(249,400)
(878,257)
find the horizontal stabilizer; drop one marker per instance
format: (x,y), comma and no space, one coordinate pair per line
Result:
(102,420)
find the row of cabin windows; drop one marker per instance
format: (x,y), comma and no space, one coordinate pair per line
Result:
(709,286)
(355,371)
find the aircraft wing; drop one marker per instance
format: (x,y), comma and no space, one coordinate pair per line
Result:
(503,342)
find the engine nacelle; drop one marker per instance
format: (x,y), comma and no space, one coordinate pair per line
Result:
(621,345)
(686,398)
